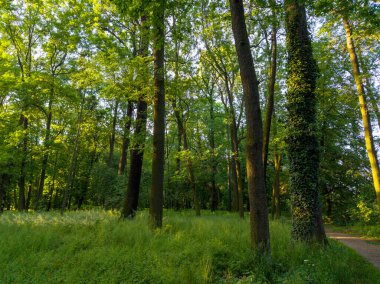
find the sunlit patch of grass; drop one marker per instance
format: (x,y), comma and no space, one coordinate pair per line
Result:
(368,231)
(98,247)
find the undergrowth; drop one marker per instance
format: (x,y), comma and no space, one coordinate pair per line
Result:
(98,247)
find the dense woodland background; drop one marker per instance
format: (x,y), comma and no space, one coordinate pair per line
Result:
(77,92)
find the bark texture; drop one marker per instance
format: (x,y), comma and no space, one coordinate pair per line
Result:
(158,159)
(368,135)
(137,153)
(270,101)
(255,171)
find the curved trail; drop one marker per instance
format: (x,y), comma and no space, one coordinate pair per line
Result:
(370,252)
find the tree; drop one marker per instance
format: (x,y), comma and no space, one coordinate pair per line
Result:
(368,135)
(158,159)
(255,171)
(137,153)
(302,132)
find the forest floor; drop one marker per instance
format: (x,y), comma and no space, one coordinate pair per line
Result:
(369,250)
(97,247)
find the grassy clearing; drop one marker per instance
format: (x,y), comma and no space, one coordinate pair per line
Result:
(96,247)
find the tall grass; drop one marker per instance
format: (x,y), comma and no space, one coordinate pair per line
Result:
(97,247)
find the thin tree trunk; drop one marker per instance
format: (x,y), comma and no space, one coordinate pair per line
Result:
(21,182)
(235,153)
(71,173)
(214,194)
(113,134)
(368,135)
(28,197)
(2,191)
(128,122)
(126,140)
(87,177)
(233,168)
(368,86)
(254,141)
(46,154)
(158,159)
(276,210)
(270,101)
(52,186)
(229,188)
(189,162)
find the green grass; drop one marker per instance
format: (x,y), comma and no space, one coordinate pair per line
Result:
(96,247)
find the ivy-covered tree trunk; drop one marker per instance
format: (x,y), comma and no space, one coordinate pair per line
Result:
(368,136)
(158,159)
(303,149)
(254,141)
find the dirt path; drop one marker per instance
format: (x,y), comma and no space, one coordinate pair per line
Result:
(371,252)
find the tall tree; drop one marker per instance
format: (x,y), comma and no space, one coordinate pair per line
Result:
(302,130)
(368,135)
(137,153)
(158,160)
(255,171)
(271,87)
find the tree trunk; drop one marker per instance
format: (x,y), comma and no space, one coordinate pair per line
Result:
(189,162)
(276,210)
(113,134)
(303,150)
(214,193)
(46,154)
(137,153)
(235,154)
(71,173)
(3,178)
(368,136)
(126,140)
(368,86)
(52,185)
(128,122)
(21,182)
(270,101)
(87,177)
(135,170)
(255,171)
(158,159)
(229,187)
